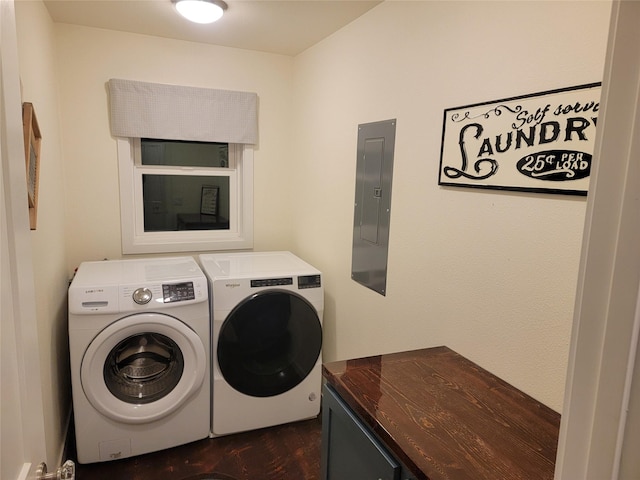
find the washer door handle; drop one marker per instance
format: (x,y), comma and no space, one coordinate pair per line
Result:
(142,296)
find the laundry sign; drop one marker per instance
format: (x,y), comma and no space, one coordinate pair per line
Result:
(541,142)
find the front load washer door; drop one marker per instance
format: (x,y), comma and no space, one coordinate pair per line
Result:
(269,343)
(143,367)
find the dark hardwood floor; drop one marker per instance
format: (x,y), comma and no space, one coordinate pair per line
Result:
(290,451)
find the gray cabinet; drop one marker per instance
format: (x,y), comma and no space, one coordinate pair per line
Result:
(350,450)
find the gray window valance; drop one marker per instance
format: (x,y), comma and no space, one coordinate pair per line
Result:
(173,112)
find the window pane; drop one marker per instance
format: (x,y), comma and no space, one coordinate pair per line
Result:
(184,154)
(185,202)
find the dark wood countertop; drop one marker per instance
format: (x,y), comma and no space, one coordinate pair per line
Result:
(446,418)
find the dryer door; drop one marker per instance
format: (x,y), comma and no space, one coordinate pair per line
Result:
(269,343)
(143,367)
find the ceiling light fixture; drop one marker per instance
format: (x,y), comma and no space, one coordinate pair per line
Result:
(201,11)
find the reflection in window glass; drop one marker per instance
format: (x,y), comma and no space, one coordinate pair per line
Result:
(185,202)
(184,154)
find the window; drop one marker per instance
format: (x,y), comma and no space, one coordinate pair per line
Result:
(180,196)
(191,195)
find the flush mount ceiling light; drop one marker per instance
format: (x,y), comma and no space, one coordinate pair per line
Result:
(200,11)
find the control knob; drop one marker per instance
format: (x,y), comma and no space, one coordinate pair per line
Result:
(142,296)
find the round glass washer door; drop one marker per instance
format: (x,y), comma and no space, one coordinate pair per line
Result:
(143,367)
(269,343)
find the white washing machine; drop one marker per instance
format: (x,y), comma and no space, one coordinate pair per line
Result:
(267,339)
(139,341)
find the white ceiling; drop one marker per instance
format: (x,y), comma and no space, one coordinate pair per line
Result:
(285,27)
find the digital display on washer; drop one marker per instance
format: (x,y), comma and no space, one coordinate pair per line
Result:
(178,292)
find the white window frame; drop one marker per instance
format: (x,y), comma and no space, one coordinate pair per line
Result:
(136,241)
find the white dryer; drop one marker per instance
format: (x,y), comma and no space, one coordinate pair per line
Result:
(267,339)
(139,341)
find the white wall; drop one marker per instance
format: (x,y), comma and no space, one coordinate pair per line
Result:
(89,57)
(39,79)
(492,275)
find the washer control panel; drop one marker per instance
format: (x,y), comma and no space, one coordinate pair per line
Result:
(178,292)
(149,296)
(164,293)
(136,285)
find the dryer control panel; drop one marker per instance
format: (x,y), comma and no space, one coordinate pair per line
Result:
(271,282)
(303,281)
(309,281)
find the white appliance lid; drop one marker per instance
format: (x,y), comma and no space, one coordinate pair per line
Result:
(147,270)
(249,264)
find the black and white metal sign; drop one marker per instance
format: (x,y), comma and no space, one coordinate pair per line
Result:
(541,142)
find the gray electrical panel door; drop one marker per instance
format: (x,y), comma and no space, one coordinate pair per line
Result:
(372,211)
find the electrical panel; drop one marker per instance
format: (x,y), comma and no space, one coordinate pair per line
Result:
(372,209)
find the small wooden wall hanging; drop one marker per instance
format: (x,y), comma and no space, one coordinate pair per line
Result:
(32,139)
